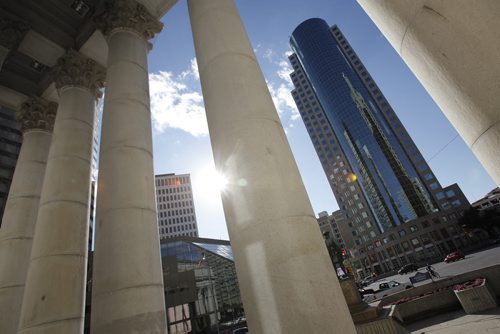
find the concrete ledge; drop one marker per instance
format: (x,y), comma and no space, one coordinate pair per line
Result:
(477,299)
(386,325)
(428,305)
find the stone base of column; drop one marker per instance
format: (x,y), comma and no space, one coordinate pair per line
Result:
(368,319)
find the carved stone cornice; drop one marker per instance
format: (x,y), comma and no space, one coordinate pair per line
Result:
(74,69)
(128,14)
(37,113)
(12,32)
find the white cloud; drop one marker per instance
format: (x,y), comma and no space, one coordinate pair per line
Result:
(281,89)
(268,54)
(175,105)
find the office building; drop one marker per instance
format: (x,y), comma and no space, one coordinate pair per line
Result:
(490,201)
(174,201)
(337,225)
(380,179)
(201,288)
(10,144)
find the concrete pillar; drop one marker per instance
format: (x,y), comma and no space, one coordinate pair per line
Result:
(453,48)
(37,120)
(285,275)
(55,286)
(127,291)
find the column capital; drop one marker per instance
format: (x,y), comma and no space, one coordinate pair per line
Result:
(74,69)
(12,32)
(37,113)
(128,14)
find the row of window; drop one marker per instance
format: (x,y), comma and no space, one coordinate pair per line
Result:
(177,220)
(174,181)
(173,190)
(176,212)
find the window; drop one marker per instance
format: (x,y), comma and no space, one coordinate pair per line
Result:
(402,233)
(434,185)
(439,195)
(415,242)
(413,228)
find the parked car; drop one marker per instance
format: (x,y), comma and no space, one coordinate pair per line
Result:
(455,256)
(385,289)
(365,281)
(408,268)
(241,330)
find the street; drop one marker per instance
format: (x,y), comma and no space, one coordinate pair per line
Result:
(473,261)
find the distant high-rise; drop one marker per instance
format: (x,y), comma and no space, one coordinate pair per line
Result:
(379,177)
(174,201)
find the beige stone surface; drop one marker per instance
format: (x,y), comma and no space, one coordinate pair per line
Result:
(55,284)
(127,295)
(285,275)
(452,47)
(18,225)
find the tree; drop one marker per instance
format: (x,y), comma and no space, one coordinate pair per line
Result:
(487,220)
(334,251)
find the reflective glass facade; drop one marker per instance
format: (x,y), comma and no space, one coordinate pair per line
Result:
(383,170)
(201,288)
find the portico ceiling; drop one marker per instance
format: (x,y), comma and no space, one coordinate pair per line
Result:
(34,34)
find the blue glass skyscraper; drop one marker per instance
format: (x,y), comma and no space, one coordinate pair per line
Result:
(379,177)
(391,175)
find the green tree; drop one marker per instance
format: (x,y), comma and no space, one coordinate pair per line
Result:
(487,220)
(334,251)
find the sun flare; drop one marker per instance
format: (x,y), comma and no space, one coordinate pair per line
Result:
(210,183)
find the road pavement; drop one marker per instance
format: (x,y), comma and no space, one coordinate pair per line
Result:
(473,261)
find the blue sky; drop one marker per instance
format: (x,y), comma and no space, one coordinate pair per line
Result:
(181,142)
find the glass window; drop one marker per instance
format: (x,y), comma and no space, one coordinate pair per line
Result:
(439,195)
(415,242)
(413,228)
(402,233)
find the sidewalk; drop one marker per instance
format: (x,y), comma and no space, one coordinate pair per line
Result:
(457,322)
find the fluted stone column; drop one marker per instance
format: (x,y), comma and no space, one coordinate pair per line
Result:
(453,48)
(285,275)
(127,291)
(37,120)
(55,286)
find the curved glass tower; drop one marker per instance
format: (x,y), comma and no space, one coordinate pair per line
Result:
(385,171)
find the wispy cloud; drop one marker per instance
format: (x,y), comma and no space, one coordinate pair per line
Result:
(177,104)
(174,104)
(281,87)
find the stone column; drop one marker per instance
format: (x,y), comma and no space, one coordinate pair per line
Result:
(127,291)
(37,120)
(55,286)
(453,48)
(285,275)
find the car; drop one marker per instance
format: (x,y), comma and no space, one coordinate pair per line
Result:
(366,281)
(241,330)
(408,268)
(455,256)
(384,289)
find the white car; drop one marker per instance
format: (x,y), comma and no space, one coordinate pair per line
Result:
(385,289)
